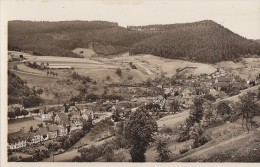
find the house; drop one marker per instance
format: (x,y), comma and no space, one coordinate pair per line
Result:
(63,130)
(43,132)
(73,109)
(53,131)
(76,122)
(17,140)
(86,114)
(168,91)
(34,138)
(64,125)
(59,117)
(47,116)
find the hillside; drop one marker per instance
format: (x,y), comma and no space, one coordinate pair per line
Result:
(60,38)
(19,92)
(204,41)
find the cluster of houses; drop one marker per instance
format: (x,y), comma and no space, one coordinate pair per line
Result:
(215,84)
(57,124)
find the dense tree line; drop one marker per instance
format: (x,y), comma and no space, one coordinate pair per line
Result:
(206,42)
(19,92)
(59,38)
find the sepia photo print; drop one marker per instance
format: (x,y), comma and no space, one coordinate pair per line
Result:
(131,81)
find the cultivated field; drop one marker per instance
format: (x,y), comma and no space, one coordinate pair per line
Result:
(148,66)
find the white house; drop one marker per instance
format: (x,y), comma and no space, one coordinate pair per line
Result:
(87,114)
(17,140)
(46,117)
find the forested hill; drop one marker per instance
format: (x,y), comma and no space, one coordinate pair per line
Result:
(59,38)
(204,41)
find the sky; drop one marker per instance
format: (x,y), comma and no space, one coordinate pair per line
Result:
(240,16)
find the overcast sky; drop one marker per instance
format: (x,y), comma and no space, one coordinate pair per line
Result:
(240,16)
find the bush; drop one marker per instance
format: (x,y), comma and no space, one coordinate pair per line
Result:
(130,77)
(108,78)
(119,72)
(200,140)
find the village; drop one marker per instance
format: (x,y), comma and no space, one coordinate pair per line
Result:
(61,121)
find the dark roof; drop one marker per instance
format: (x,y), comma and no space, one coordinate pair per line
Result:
(42,131)
(31,136)
(225,79)
(53,128)
(17,136)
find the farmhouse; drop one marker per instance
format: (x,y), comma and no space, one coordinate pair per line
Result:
(17,140)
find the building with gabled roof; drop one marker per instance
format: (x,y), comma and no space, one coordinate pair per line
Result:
(73,109)
(43,132)
(17,140)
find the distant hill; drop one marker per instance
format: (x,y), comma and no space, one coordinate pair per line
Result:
(60,38)
(204,41)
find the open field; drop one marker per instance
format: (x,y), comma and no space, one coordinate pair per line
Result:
(16,124)
(36,80)
(148,66)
